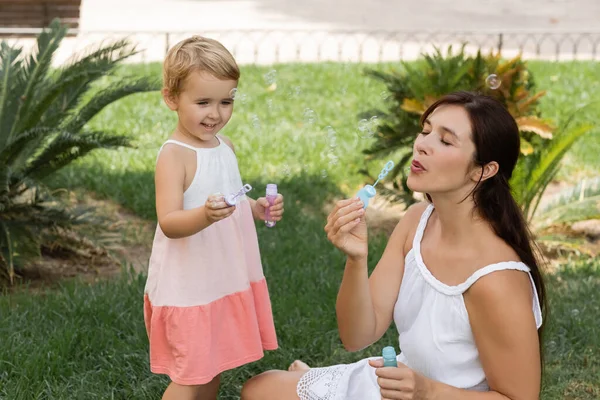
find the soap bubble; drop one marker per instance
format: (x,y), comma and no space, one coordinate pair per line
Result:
(242,97)
(367,127)
(233,93)
(287,171)
(270,104)
(270,77)
(363,125)
(331,136)
(255,121)
(384,95)
(493,82)
(333,159)
(575,312)
(309,116)
(294,92)
(323,173)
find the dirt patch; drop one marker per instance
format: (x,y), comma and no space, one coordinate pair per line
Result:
(123,241)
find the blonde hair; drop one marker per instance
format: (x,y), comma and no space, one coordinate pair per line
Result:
(197,53)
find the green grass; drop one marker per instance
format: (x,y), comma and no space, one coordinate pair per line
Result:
(285,145)
(88,341)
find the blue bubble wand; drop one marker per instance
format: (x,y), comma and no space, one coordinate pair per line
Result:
(368,191)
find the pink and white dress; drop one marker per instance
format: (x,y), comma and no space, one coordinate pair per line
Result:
(206,302)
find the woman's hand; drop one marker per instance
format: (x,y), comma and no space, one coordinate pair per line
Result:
(347,229)
(401,383)
(275,211)
(216,209)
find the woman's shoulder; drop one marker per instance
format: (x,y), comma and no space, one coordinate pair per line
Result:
(407,226)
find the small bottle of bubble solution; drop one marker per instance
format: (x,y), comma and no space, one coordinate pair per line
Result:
(271,196)
(389,357)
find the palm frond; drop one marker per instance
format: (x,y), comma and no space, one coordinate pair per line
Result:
(578,203)
(64,93)
(21,147)
(106,97)
(9,98)
(36,68)
(548,166)
(66,147)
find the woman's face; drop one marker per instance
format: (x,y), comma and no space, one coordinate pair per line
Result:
(443,153)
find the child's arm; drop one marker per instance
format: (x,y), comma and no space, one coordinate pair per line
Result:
(174,221)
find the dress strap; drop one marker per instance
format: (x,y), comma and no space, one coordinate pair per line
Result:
(421,227)
(507,265)
(178,143)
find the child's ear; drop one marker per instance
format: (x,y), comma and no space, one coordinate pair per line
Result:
(170,99)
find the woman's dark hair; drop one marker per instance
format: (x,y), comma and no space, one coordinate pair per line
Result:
(496,137)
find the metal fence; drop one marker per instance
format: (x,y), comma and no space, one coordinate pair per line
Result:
(286,46)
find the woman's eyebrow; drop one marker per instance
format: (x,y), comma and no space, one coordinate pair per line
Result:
(444,128)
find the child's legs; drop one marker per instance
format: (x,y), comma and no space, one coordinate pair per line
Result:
(273,385)
(207,391)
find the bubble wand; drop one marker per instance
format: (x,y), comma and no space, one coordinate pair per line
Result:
(368,191)
(231,199)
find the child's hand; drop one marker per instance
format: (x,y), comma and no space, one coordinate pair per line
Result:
(275,211)
(216,209)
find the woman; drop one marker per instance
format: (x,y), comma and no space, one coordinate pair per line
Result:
(458,277)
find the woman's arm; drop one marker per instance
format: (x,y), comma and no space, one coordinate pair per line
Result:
(504,328)
(365,306)
(503,324)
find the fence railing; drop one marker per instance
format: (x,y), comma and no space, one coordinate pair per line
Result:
(284,46)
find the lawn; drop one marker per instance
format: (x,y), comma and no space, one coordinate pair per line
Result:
(87,341)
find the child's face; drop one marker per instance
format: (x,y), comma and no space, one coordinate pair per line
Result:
(204,105)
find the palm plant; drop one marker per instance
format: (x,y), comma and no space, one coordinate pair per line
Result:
(43,117)
(412,90)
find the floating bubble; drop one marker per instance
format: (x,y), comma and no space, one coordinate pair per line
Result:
(287,171)
(363,125)
(270,104)
(493,82)
(233,93)
(551,345)
(367,127)
(309,116)
(575,312)
(384,95)
(242,97)
(331,136)
(294,92)
(333,159)
(323,173)
(255,121)
(270,77)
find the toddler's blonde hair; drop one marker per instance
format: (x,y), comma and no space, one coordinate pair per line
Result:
(193,54)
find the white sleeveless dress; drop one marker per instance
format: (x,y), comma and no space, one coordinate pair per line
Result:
(434,334)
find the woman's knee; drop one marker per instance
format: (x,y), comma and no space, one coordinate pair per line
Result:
(254,387)
(280,385)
